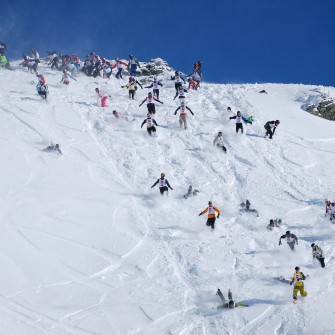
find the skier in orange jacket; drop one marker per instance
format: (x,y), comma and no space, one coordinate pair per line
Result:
(211,214)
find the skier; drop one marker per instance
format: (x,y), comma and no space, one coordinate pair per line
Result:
(318,254)
(65,78)
(132,65)
(180,93)
(150,103)
(211,214)
(270,128)
(183,114)
(101,97)
(42,90)
(291,239)
(53,148)
(239,118)
(132,87)
(190,192)
(218,140)
(274,224)
(118,64)
(230,303)
(297,279)
(151,123)
(163,184)
(155,87)
(178,80)
(40,78)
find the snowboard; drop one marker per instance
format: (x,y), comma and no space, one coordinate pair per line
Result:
(283,279)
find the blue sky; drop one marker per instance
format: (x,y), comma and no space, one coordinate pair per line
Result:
(238,41)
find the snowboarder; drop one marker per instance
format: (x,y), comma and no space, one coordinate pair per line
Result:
(180,93)
(178,80)
(246,208)
(274,224)
(297,279)
(239,118)
(218,140)
(291,239)
(132,65)
(230,303)
(163,184)
(211,214)
(150,103)
(183,114)
(118,64)
(132,87)
(151,123)
(53,148)
(190,192)
(270,128)
(318,254)
(101,97)
(42,90)
(155,87)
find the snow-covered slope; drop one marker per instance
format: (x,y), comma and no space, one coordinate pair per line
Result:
(86,247)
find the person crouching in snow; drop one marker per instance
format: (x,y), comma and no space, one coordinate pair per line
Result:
(101,97)
(218,140)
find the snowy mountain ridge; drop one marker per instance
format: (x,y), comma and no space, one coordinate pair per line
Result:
(89,248)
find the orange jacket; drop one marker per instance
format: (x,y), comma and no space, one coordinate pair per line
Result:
(211,213)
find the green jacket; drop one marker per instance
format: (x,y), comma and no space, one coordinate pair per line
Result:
(3,61)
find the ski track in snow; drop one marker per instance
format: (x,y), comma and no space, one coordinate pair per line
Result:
(97,251)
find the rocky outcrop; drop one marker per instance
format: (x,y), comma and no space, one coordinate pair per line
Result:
(325,108)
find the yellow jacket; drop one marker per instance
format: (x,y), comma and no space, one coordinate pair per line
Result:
(297,278)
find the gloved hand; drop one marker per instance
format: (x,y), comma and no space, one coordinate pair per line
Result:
(297,242)
(218,217)
(298,279)
(230,118)
(291,282)
(199,214)
(171,188)
(279,243)
(250,122)
(162,103)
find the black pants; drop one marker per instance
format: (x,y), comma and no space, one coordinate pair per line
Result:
(291,245)
(131,94)
(176,85)
(222,147)
(54,63)
(163,189)
(151,108)
(43,94)
(151,129)
(35,66)
(268,131)
(210,222)
(119,74)
(239,126)
(322,261)
(156,92)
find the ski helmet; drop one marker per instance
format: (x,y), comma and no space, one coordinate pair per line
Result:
(149,94)
(162,175)
(116,58)
(277,122)
(176,73)
(57,146)
(131,56)
(149,115)
(96,90)
(288,233)
(210,203)
(238,112)
(220,133)
(114,111)
(312,245)
(231,304)
(64,71)
(297,268)
(228,109)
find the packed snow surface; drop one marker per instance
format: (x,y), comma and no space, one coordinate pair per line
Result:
(87,247)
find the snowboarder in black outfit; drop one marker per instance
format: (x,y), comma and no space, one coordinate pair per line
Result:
(163,184)
(151,123)
(270,128)
(291,239)
(318,254)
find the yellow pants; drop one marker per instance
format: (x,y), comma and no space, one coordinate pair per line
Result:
(300,289)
